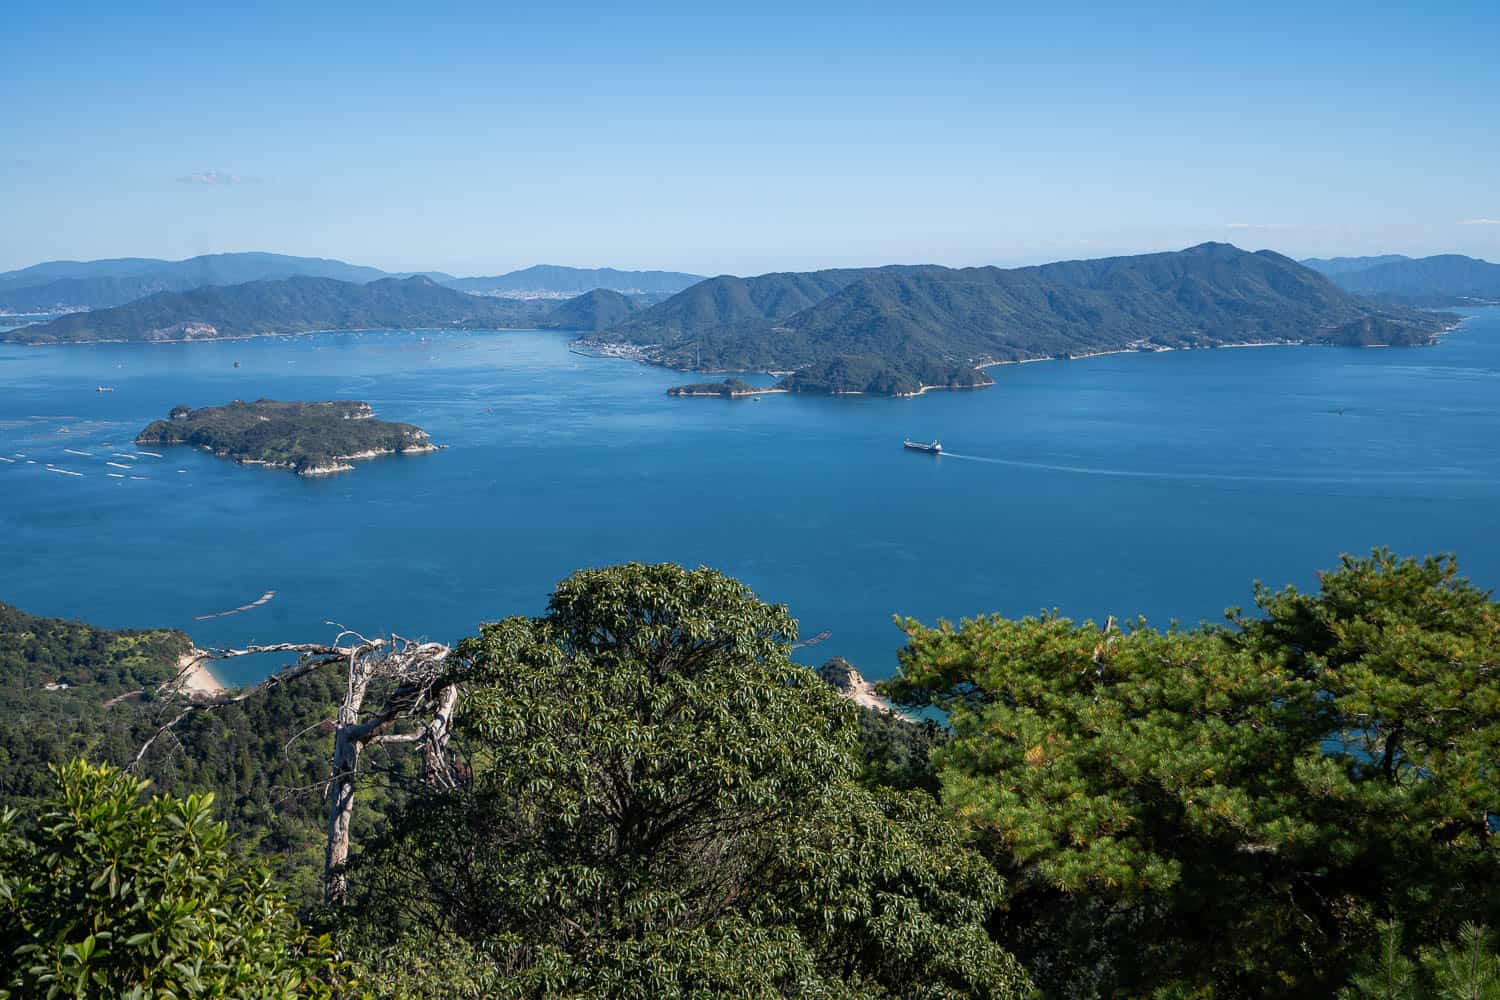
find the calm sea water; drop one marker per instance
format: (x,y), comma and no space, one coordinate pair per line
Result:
(1159,484)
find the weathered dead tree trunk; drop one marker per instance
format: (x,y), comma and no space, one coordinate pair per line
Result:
(417,704)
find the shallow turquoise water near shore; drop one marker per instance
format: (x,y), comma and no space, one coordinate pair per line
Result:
(1157,484)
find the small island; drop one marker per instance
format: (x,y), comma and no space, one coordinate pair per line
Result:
(310,438)
(729,388)
(863,374)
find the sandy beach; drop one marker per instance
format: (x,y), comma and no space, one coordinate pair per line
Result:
(194,679)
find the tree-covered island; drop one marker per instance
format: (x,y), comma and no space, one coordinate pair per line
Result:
(312,439)
(897,331)
(729,388)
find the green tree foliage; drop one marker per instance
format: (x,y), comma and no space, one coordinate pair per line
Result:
(55,677)
(1229,811)
(896,752)
(264,758)
(115,895)
(1466,968)
(663,805)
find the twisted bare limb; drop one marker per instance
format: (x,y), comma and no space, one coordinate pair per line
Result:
(417,710)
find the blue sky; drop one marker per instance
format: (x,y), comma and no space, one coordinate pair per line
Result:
(478,139)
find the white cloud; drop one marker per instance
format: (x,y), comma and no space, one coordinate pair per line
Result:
(1258,225)
(1480,222)
(214,177)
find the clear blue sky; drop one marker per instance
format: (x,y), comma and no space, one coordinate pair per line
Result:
(476,140)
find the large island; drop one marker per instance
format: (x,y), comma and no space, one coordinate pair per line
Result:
(312,439)
(897,331)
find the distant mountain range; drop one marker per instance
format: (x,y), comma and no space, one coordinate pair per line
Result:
(1443,280)
(547,280)
(895,330)
(68,285)
(63,286)
(303,305)
(288,305)
(888,330)
(1347,265)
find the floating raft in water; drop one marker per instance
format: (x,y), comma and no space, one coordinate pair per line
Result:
(262,599)
(814,640)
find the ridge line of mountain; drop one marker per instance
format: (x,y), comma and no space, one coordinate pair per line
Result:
(895,330)
(68,286)
(901,329)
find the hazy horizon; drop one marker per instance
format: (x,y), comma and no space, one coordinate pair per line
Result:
(710,142)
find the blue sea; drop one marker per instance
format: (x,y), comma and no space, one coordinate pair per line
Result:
(1159,484)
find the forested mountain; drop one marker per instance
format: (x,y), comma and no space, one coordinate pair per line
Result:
(95,284)
(291,305)
(1347,265)
(1444,280)
(64,285)
(897,328)
(597,310)
(731,302)
(549,280)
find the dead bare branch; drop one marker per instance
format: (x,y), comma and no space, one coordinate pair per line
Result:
(417,709)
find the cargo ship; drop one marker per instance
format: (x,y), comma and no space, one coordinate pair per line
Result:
(935,448)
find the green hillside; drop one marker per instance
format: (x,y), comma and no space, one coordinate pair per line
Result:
(736,303)
(894,329)
(596,310)
(98,284)
(292,305)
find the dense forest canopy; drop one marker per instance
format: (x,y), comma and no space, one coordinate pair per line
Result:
(654,800)
(1229,810)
